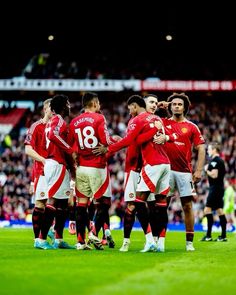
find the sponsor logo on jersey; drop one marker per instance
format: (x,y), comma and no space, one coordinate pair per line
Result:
(178,143)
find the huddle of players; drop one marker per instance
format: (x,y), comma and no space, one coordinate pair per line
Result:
(158,157)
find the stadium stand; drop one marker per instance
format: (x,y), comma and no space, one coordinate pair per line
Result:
(10,118)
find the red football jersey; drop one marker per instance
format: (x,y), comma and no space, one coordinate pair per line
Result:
(56,133)
(180,151)
(86,131)
(133,158)
(34,138)
(152,154)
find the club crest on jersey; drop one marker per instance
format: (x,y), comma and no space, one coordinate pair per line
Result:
(184,130)
(131,195)
(42,194)
(68,193)
(213,164)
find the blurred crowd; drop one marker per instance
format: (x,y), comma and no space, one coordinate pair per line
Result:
(49,66)
(216,121)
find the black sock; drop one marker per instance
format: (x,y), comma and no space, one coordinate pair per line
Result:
(61,215)
(223,223)
(99,217)
(152,215)
(143,216)
(129,219)
(37,218)
(210,222)
(161,220)
(71,212)
(81,222)
(48,217)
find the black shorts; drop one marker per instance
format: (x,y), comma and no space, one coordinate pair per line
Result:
(215,199)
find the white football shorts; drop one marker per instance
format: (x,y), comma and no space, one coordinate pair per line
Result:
(183,183)
(58,180)
(92,182)
(155,179)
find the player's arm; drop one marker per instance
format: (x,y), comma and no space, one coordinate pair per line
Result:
(30,143)
(170,137)
(131,136)
(104,137)
(199,145)
(163,104)
(54,136)
(33,154)
(146,136)
(103,148)
(114,138)
(165,135)
(71,164)
(200,162)
(31,187)
(70,136)
(126,141)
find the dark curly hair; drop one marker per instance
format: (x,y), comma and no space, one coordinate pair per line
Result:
(182,96)
(58,103)
(136,99)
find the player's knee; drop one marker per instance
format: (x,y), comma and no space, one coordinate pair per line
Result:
(40,204)
(131,207)
(187,207)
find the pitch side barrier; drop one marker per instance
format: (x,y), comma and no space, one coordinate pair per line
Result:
(113,225)
(118,225)
(151,84)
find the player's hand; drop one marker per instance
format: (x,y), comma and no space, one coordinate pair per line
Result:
(158,125)
(72,174)
(159,138)
(99,150)
(74,156)
(206,167)
(31,188)
(163,104)
(197,176)
(116,138)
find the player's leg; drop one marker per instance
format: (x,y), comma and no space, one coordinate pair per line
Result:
(131,181)
(186,191)
(189,220)
(71,209)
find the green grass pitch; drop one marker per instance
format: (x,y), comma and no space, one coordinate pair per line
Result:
(211,269)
